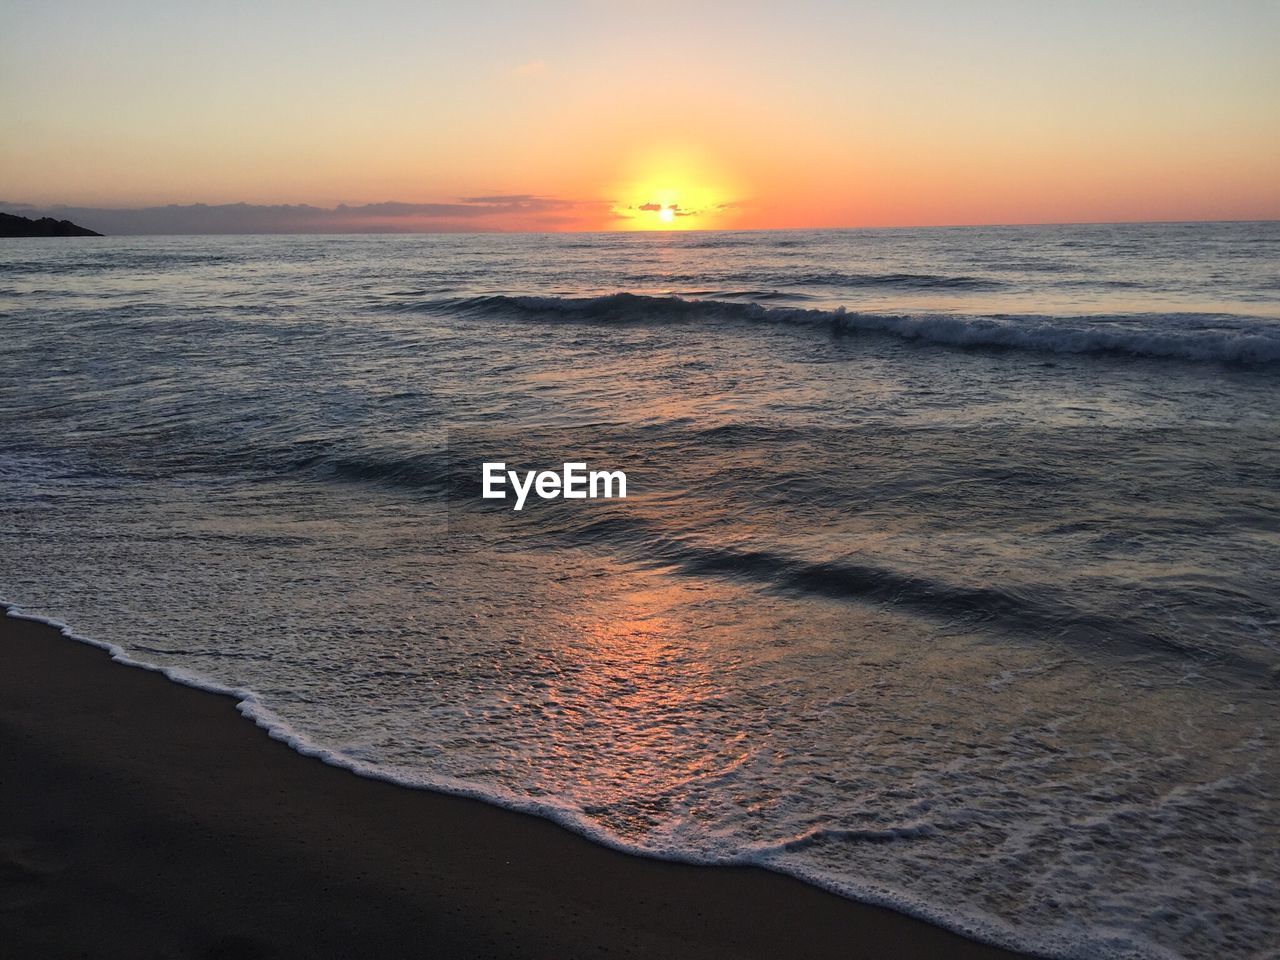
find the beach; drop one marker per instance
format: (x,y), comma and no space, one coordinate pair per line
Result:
(145,818)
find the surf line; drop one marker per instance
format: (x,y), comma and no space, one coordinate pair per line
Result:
(573,482)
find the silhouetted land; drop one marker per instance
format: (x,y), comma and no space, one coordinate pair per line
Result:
(15,226)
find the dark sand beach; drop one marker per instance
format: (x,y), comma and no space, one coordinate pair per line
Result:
(142,818)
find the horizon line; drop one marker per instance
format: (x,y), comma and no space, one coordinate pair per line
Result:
(21,209)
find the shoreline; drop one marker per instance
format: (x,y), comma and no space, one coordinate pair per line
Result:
(150,818)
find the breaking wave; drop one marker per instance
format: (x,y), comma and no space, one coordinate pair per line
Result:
(1200,337)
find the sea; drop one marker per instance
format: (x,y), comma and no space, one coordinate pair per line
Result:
(947,578)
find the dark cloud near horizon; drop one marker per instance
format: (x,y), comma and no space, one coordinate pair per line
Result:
(467,213)
(676,209)
(525,201)
(673,207)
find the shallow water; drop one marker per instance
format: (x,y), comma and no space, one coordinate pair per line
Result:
(946,578)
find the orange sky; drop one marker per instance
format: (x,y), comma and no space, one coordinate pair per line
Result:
(612,114)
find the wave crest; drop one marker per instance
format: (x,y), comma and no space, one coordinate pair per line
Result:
(1198,337)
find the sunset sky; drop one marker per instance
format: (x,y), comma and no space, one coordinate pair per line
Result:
(614,114)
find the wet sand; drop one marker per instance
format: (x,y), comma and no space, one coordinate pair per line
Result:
(141,818)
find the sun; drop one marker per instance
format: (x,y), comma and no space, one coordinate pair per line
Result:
(673,188)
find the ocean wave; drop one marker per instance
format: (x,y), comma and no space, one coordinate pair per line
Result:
(907,281)
(1027,610)
(418,471)
(1197,337)
(1006,609)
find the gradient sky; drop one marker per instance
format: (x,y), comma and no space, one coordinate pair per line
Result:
(613,114)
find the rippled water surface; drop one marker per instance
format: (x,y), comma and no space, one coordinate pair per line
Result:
(947,577)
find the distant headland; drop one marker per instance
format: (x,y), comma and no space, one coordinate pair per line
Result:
(14,226)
